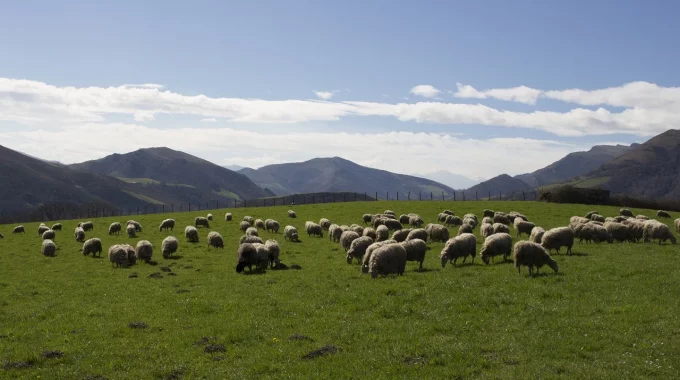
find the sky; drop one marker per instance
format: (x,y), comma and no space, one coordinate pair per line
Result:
(476,88)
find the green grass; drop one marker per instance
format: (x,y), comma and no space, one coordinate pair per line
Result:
(144,181)
(611,312)
(227,194)
(592,182)
(143,197)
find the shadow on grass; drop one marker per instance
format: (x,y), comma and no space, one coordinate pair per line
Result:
(177,257)
(426,270)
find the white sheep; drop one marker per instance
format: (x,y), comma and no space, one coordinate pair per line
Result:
(532,255)
(79,234)
(49,234)
(250,239)
(313,229)
(252,231)
(272,226)
(485,230)
(418,233)
(358,248)
(488,213)
(453,220)
(663,214)
(619,231)
(501,218)
(138,227)
(415,221)
(191,233)
(167,224)
(369,252)
(87,226)
(523,227)
(370,232)
(403,219)
(460,246)
(500,228)
(537,235)
(677,225)
(465,229)
(200,221)
(131,230)
(209,217)
(252,254)
(415,251)
(215,240)
(496,245)
(597,218)
(388,259)
(48,248)
(243,226)
(144,250)
(657,230)
(249,219)
(367,218)
(123,255)
(324,223)
(334,232)
(437,232)
(19,230)
(290,233)
(347,238)
(114,228)
(93,246)
(292,214)
(382,233)
(259,223)
(401,235)
(169,246)
(273,251)
(357,228)
(57,226)
(626,212)
(557,238)
(228,217)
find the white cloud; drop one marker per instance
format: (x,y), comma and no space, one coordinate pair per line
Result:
(209,120)
(520,94)
(151,86)
(425,90)
(142,116)
(325,95)
(634,94)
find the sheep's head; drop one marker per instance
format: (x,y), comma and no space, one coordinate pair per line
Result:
(672,238)
(240,267)
(364,269)
(445,259)
(350,257)
(552,264)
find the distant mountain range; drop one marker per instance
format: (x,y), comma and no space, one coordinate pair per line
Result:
(234,167)
(452,180)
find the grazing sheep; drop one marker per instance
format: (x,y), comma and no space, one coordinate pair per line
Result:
(272,226)
(392,224)
(167,224)
(252,254)
(369,252)
(228,217)
(636,228)
(388,259)
(250,239)
(619,231)
(488,213)
(523,227)
(131,230)
(169,246)
(415,221)
(138,227)
(273,252)
(470,216)
(324,223)
(358,248)
(292,214)
(418,233)
(588,215)
(382,233)
(49,234)
(252,231)
(367,218)
(57,226)
(609,219)
(512,215)
(259,223)
(290,233)
(347,238)
(641,217)
(209,217)
(663,214)
(537,235)
(123,255)
(448,212)
(496,245)
(87,226)
(378,222)
(415,251)
(334,232)
(657,230)
(453,220)
(79,234)
(597,218)
(620,219)
(557,238)
(595,232)
(313,229)
(485,230)
(403,219)
(215,240)
(200,221)
(465,229)
(457,247)
(389,212)
(471,222)
(191,233)
(19,230)
(243,226)
(441,217)
(677,225)
(370,232)
(499,228)
(344,228)
(501,218)
(144,250)
(41,229)
(249,219)
(532,255)
(401,235)
(357,228)
(437,232)
(487,220)
(626,212)
(114,228)
(93,246)
(574,220)
(48,248)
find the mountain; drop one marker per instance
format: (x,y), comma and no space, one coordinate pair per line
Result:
(452,180)
(650,169)
(235,167)
(191,178)
(574,165)
(502,184)
(337,174)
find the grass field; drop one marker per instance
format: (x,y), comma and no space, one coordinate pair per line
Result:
(612,311)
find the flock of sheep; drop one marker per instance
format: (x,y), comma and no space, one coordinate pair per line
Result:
(378,252)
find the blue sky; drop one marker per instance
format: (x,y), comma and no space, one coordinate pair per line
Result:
(360,51)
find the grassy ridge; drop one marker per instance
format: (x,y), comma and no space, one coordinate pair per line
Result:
(611,311)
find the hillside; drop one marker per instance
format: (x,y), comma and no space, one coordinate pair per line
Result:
(500,184)
(335,175)
(191,178)
(574,165)
(452,180)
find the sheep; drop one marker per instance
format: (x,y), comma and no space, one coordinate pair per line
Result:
(200,221)
(334,232)
(465,229)
(501,218)
(626,212)
(228,217)
(641,217)
(378,222)
(215,240)
(367,218)
(273,251)
(250,239)
(209,217)
(79,234)
(290,233)
(252,254)
(496,245)
(619,232)
(488,213)
(557,238)
(347,238)
(512,215)
(415,221)
(415,251)
(144,250)
(677,225)
(131,230)
(470,216)
(448,212)
(657,230)
(663,214)
(453,220)
(344,228)
(191,233)
(537,235)
(471,222)
(2,236)
(49,234)
(292,214)
(387,259)
(401,235)
(249,219)
(324,223)
(403,219)
(358,248)
(500,228)
(87,226)
(485,230)
(252,231)
(441,217)
(609,219)
(48,248)
(389,212)
(532,255)
(313,229)
(123,255)
(93,246)
(588,215)
(418,233)
(167,224)
(437,232)
(370,232)
(272,226)
(392,224)
(41,229)
(382,233)
(365,261)
(523,227)
(138,227)
(595,232)
(487,220)
(357,228)
(114,228)
(578,220)
(457,247)
(620,219)
(259,223)
(169,246)
(597,218)
(19,230)
(57,226)
(243,226)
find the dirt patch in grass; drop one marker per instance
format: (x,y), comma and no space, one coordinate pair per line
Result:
(133,275)
(166,269)
(323,351)
(17,365)
(52,354)
(188,267)
(175,374)
(172,274)
(298,337)
(295,266)
(212,348)
(203,341)
(180,291)
(414,360)
(137,325)
(156,275)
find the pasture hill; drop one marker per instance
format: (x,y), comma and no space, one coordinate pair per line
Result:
(189,177)
(500,184)
(337,174)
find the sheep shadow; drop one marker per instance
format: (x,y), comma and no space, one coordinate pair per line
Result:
(425,270)
(177,257)
(254,272)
